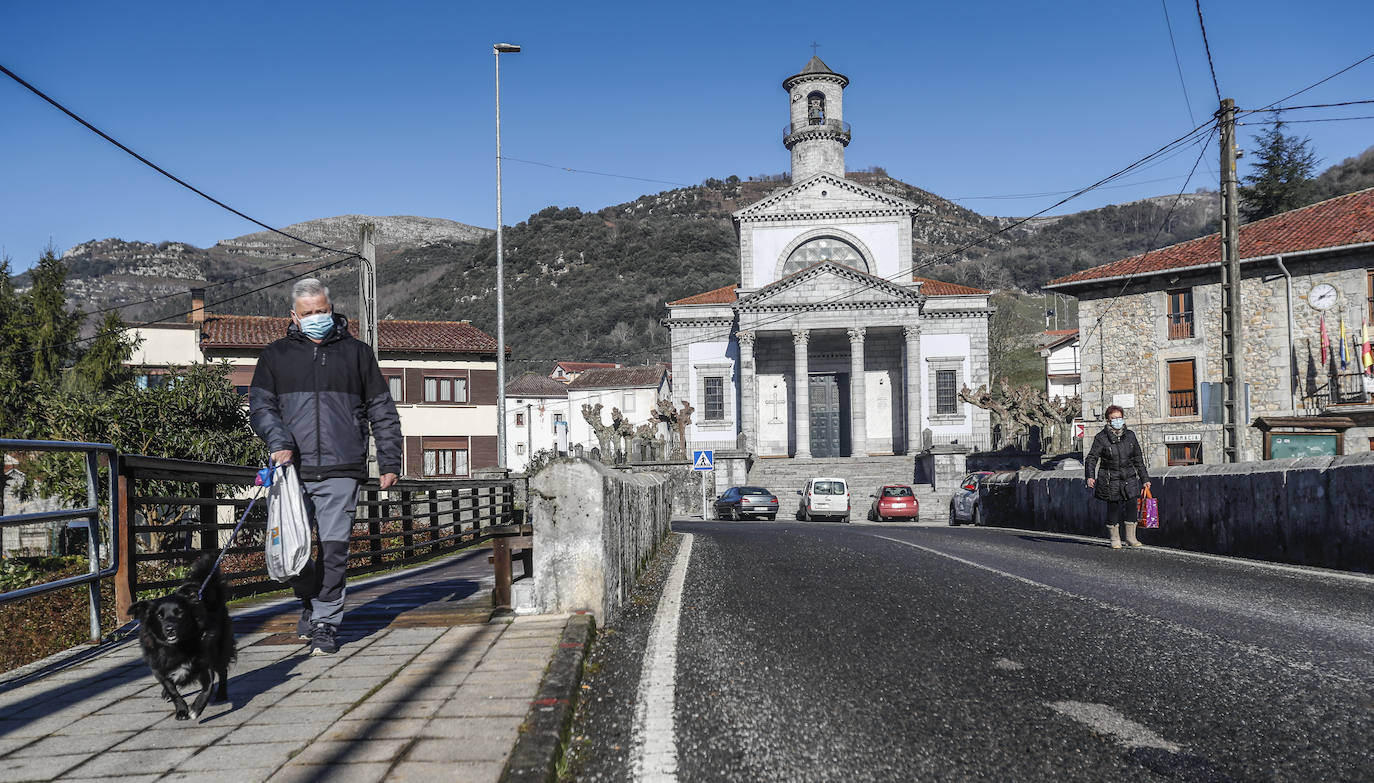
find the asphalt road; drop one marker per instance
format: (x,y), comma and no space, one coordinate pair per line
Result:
(820,652)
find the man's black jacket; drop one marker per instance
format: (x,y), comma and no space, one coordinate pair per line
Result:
(319,399)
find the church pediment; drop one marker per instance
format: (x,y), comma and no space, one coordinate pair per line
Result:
(824,194)
(830,284)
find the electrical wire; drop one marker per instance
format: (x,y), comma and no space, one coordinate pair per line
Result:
(1297,122)
(1208,47)
(1358,62)
(181,314)
(107,137)
(1181,83)
(1309,106)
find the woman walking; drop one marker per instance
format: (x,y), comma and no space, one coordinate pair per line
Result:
(1115,469)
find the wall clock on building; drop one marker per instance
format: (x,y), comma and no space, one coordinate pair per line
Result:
(1322,296)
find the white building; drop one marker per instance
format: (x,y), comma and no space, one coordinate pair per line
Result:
(635,391)
(442,376)
(1063,376)
(567,372)
(536,418)
(830,346)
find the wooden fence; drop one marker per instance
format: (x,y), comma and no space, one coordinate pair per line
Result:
(170,514)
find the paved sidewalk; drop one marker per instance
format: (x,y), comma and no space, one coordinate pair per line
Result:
(397,703)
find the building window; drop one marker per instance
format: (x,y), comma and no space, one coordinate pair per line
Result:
(627,403)
(815,108)
(1180,313)
(443,390)
(1182,388)
(393,383)
(1183,454)
(446,462)
(714,399)
(519,419)
(946,393)
(520,449)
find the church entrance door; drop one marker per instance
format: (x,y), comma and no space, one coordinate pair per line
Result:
(826,395)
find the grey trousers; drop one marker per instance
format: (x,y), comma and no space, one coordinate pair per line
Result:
(320,586)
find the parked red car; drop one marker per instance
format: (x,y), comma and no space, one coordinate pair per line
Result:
(894,501)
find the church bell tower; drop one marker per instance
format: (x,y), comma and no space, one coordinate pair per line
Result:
(817,133)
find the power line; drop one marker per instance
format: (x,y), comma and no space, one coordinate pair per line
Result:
(1296,122)
(1208,47)
(596,173)
(1360,61)
(1170,27)
(1045,194)
(107,137)
(1309,106)
(181,314)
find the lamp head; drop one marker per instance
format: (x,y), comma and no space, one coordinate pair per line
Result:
(505,47)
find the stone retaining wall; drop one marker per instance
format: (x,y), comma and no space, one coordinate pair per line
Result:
(1316,511)
(594,529)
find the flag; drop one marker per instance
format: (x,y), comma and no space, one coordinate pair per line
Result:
(1343,358)
(1366,355)
(1325,341)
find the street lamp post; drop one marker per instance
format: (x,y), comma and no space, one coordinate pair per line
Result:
(496,50)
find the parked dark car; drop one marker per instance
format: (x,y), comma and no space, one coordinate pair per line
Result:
(740,502)
(963,506)
(894,501)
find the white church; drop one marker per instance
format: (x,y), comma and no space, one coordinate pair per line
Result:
(830,346)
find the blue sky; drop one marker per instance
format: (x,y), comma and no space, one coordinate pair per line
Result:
(294,111)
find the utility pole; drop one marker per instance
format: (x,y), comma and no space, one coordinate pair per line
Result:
(367,286)
(1232,319)
(497,50)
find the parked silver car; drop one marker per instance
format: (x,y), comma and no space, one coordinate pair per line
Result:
(963,505)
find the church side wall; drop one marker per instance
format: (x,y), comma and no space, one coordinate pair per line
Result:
(716,359)
(958,343)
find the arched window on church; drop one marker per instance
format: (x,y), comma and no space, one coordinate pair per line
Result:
(824,249)
(815,108)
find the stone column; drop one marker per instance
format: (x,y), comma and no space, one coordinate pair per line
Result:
(858,423)
(748,391)
(912,333)
(800,342)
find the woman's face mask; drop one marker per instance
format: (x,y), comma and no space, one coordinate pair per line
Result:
(1118,423)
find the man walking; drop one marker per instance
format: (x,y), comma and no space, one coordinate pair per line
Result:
(315,392)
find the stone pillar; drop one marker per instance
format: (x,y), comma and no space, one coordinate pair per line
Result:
(858,424)
(748,391)
(912,333)
(800,342)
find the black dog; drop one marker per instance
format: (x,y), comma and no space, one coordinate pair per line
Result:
(185,638)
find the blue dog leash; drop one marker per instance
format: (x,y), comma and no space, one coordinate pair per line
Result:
(263,479)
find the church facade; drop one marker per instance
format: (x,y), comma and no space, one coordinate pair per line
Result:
(830,346)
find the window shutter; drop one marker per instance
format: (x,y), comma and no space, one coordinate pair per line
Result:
(483,452)
(482,388)
(414,386)
(414,456)
(1181,375)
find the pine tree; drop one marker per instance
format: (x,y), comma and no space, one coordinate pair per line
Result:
(1281,179)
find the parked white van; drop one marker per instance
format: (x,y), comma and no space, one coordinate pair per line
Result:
(824,498)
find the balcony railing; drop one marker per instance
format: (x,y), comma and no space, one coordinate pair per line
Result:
(837,127)
(1180,325)
(1348,388)
(1183,402)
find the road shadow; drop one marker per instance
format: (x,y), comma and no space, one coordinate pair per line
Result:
(1059,540)
(1179,766)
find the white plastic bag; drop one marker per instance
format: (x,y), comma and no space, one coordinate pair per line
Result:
(288,527)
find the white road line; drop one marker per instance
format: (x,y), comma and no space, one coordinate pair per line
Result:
(654,735)
(1303,666)
(1105,720)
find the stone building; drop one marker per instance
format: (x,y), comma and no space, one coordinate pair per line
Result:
(1151,337)
(829,346)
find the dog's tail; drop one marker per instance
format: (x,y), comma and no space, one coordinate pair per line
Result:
(216,589)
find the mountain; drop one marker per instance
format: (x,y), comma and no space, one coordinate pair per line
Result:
(592,285)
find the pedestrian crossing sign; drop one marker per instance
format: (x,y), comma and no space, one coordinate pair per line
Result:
(703,460)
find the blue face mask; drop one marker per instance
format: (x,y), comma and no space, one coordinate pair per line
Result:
(317,326)
(1118,424)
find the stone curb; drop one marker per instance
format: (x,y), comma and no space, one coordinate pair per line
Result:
(536,753)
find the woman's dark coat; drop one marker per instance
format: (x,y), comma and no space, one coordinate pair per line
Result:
(1121,471)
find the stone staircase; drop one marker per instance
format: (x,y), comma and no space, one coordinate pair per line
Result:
(864,474)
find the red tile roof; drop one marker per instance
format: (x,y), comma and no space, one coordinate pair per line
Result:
(941,288)
(583,366)
(535,385)
(620,378)
(256,331)
(1344,220)
(724,295)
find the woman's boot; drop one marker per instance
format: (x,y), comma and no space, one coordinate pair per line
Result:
(1115,536)
(1130,535)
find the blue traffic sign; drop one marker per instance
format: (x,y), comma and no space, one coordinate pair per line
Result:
(703,460)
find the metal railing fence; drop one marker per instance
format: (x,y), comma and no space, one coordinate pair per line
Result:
(90,513)
(170,515)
